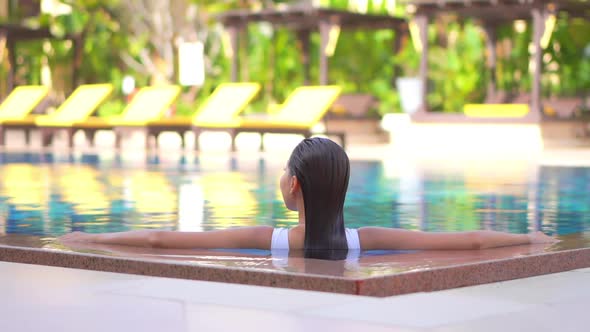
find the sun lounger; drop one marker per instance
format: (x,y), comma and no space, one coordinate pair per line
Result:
(218,112)
(148,104)
(15,110)
(300,112)
(496,110)
(76,108)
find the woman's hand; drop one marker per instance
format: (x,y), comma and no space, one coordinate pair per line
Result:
(540,237)
(77,237)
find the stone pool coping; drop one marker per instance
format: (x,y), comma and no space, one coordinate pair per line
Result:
(422,280)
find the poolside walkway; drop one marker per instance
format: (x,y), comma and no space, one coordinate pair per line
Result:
(41,298)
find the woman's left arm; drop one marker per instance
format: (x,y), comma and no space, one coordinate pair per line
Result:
(400,239)
(246,237)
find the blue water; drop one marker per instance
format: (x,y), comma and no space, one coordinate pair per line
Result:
(51,194)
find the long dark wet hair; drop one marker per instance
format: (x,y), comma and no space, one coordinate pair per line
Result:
(322,169)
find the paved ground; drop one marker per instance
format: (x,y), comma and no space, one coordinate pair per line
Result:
(40,298)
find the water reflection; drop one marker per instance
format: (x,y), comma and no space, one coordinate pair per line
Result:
(50,194)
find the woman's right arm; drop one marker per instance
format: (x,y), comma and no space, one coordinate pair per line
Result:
(400,239)
(235,238)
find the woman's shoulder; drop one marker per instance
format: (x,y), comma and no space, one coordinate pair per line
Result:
(297,237)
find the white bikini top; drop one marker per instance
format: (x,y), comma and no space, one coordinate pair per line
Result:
(280,239)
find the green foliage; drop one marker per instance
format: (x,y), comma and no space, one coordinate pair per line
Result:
(566,67)
(184,108)
(513,63)
(28,59)
(570,59)
(350,69)
(112,107)
(363,61)
(456,68)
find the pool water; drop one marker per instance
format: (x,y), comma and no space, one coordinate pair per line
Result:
(44,194)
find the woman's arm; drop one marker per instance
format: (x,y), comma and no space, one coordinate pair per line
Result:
(235,238)
(400,239)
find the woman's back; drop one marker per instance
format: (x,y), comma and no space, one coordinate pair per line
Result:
(294,238)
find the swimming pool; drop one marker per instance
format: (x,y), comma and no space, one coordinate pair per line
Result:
(45,194)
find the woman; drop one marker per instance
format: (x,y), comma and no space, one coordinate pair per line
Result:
(314,183)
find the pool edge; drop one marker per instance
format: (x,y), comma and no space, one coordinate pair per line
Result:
(427,280)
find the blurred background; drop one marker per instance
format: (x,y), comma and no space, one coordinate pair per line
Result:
(138,43)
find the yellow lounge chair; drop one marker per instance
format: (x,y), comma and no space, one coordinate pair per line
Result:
(496,110)
(15,110)
(302,110)
(148,105)
(219,111)
(76,108)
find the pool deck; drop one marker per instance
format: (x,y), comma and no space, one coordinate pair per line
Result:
(41,298)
